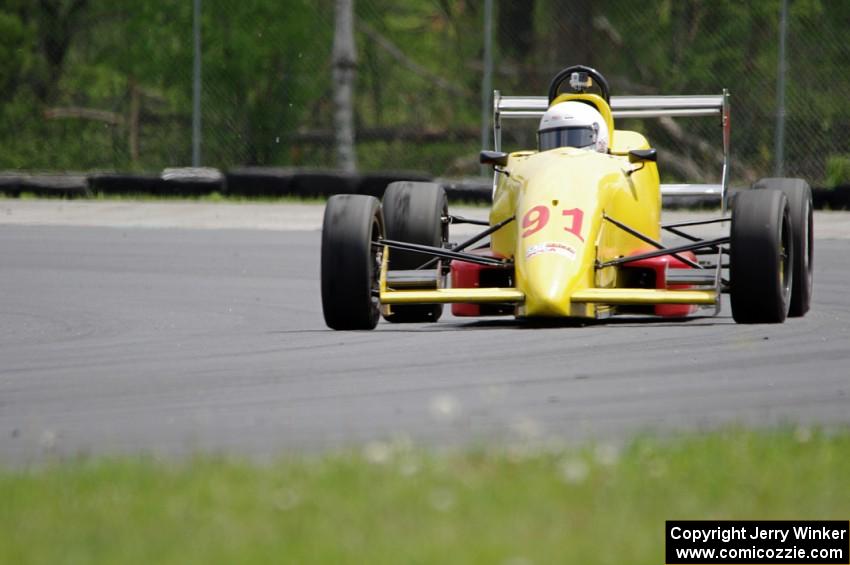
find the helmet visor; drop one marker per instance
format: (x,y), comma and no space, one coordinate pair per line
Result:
(584,136)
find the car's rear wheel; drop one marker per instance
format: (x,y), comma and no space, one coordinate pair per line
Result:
(351,262)
(761,257)
(414,213)
(799,196)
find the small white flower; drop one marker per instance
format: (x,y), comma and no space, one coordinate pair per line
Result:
(606,454)
(48,440)
(442,500)
(574,470)
(518,452)
(402,443)
(517,560)
(444,408)
(657,469)
(377,452)
(408,466)
(554,445)
(803,434)
(527,428)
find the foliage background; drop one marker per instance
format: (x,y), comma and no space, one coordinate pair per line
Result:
(107,84)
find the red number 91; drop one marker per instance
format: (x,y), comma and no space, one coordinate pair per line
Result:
(534,220)
(537,218)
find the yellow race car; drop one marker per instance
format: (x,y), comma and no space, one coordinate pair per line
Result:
(574,230)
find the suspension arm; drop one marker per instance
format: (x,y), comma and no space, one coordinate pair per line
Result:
(650,241)
(661,252)
(442,252)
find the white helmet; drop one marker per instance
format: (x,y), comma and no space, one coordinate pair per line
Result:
(572,124)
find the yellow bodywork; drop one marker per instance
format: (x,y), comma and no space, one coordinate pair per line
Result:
(451,295)
(558,198)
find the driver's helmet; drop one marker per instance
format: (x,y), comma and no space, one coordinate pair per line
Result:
(573,124)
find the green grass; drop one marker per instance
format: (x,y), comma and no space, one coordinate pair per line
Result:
(392,504)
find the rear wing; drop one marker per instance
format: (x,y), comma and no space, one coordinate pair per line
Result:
(513,107)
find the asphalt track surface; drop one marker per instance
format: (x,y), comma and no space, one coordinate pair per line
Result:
(171,341)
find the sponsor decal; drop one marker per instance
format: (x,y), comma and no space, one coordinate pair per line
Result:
(551,247)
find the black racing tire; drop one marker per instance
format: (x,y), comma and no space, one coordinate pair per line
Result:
(414,212)
(799,196)
(351,264)
(761,257)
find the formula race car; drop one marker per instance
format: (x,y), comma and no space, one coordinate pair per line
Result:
(574,230)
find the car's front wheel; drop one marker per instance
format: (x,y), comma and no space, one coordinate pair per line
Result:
(351,262)
(761,257)
(799,196)
(414,213)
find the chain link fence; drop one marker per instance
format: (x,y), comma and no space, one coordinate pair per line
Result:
(107,85)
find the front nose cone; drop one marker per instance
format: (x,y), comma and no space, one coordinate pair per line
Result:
(547,283)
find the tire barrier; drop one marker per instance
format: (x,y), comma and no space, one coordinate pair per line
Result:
(276,182)
(322,184)
(272,182)
(374,184)
(478,190)
(116,184)
(699,202)
(62,185)
(191,181)
(259,182)
(176,182)
(837,198)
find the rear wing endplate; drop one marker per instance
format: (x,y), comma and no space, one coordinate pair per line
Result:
(717,105)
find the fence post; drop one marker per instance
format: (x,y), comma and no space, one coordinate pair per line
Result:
(487,82)
(196,88)
(779,147)
(344,69)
